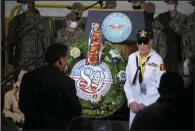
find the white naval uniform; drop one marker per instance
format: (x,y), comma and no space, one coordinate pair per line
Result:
(151,79)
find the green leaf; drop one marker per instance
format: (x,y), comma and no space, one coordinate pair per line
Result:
(86,105)
(85,111)
(107,59)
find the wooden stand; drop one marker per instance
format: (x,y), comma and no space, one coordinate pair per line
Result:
(127,49)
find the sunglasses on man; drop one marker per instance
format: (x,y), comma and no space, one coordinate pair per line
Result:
(144,42)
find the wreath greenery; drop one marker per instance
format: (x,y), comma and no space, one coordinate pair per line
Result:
(115,97)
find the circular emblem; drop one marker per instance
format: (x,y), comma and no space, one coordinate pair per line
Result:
(91,80)
(117,27)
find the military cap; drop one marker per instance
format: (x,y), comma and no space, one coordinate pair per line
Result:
(144,35)
(170,0)
(150,7)
(71,16)
(26,1)
(192,3)
(21,1)
(76,6)
(136,0)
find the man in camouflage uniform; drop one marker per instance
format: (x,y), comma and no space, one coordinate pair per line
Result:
(173,23)
(72,32)
(159,38)
(24,48)
(24,5)
(109,5)
(189,44)
(77,8)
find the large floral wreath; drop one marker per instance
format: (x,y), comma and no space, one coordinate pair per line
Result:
(116,61)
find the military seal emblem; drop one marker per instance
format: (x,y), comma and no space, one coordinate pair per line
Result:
(91,81)
(117,27)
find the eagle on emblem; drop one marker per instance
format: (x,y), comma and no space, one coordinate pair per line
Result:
(117,28)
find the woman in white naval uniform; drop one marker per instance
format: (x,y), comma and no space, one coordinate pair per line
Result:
(143,72)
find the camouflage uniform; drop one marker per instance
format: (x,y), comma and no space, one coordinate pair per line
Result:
(76,7)
(25,47)
(82,23)
(189,37)
(159,39)
(172,33)
(66,37)
(189,42)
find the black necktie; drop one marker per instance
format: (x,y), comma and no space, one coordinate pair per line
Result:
(139,70)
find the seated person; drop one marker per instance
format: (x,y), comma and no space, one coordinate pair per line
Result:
(72,32)
(7,124)
(11,99)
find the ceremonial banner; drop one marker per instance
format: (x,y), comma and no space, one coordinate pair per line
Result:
(95,45)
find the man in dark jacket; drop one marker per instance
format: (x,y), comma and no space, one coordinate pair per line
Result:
(47,96)
(172,111)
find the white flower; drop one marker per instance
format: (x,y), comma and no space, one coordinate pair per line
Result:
(96,98)
(115,53)
(75,52)
(121,75)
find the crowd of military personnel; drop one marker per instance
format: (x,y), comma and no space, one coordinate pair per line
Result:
(174,37)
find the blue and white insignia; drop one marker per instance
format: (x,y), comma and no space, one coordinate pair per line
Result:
(117,27)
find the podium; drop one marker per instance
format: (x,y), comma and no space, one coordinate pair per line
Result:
(137,18)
